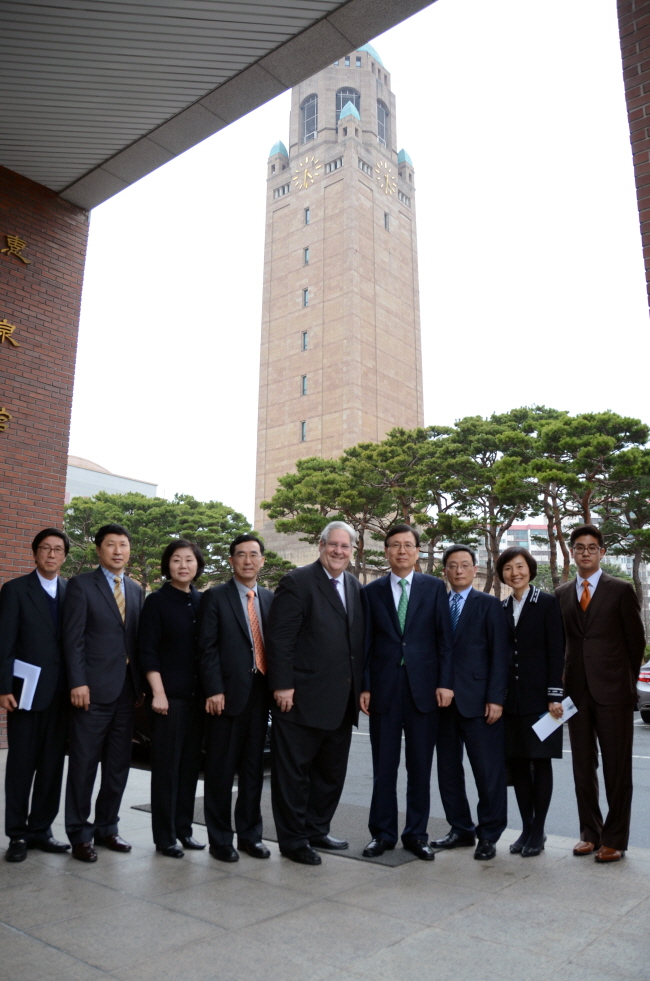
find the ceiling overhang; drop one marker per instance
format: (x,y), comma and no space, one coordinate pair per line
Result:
(99,93)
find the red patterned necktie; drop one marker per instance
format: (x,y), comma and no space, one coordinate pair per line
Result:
(258,643)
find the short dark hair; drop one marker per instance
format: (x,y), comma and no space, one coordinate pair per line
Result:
(174,547)
(457,548)
(399,530)
(45,533)
(240,539)
(509,554)
(105,530)
(587,530)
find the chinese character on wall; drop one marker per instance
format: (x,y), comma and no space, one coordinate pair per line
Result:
(6,330)
(15,247)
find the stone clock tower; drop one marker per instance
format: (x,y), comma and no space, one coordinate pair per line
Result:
(340,351)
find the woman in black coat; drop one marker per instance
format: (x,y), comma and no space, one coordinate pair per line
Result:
(534,688)
(168,652)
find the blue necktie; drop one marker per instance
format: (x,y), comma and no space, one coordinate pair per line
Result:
(455,611)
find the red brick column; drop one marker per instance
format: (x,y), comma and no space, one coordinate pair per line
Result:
(634,29)
(40,298)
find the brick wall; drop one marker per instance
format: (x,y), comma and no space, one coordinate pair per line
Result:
(41,300)
(634,28)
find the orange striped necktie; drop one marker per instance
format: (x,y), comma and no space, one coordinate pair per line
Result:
(119,597)
(258,643)
(585,599)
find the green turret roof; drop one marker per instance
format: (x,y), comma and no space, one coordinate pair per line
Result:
(349,109)
(371,51)
(279,147)
(403,157)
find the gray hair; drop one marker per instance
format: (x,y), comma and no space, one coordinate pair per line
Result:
(336,526)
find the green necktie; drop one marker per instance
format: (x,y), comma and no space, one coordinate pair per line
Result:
(403,604)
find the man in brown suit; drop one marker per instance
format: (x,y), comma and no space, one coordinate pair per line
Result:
(604,648)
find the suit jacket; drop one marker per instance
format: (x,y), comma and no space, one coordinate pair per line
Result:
(227,656)
(536,654)
(27,632)
(605,644)
(96,643)
(315,646)
(426,644)
(481,655)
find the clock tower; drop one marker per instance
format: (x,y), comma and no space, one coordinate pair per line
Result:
(340,348)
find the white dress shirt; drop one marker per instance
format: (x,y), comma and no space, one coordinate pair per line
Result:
(463,596)
(340,589)
(49,585)
(518,605)
(397,589)
(592,580)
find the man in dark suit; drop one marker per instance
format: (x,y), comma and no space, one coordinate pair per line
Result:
(30,616)
(100,623)
(407,676)
(605,643)
(474,719)
(315,661)
(232,623)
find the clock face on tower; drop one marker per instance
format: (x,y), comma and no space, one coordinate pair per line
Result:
(306,172)
(385,177)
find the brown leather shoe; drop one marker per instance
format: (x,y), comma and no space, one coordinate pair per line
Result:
(114,842)
(605,854)
(584,848)
(84,851)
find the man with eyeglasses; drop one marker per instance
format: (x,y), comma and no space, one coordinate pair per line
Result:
(232,628)
(315,660)
(474,720)
(605,643)
(30,618)
(407,677)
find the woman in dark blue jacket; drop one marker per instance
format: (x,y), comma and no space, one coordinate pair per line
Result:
(168,652)
(534,688)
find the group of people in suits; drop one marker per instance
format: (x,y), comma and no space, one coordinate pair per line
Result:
(454,670)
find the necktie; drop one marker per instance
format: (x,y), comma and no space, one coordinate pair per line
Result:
(119,597)
(335,583)
(455,611)
(258,643)
(585,599)
(403,604)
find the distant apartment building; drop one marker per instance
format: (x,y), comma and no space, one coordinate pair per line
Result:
(85,479)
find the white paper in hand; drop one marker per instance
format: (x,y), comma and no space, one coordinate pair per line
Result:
(547,724)
(30,674)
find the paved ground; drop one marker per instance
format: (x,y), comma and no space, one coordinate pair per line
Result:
(141,916)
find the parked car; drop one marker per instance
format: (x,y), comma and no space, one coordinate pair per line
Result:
(643,691)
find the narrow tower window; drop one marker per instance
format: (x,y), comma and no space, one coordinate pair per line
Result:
(309,118)
(303,432)
(347,61)
(358,62)
(382,123)
(386,221)
(307,216)
(303,385)
(306,256)
(304,342)
(305,298)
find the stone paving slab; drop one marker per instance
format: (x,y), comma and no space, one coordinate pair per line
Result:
(141,917)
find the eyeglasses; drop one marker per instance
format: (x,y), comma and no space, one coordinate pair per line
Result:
(591,549)
(409,546)
(333,545)
(58,550)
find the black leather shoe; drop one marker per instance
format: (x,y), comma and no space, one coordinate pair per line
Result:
(47,844)
(517,846)
(485,849)
(171,851)
(17,850)
(84,851)
(329,843)
(113,842)
(256,849)
(376,847)
(530,850)
(305,855)
(420,849)
(454,840)
(191,844)
(225,853)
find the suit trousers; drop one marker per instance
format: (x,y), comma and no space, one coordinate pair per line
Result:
(308,768)
(103,734)
(611,726)
(485,746)
(420,730)
(36,757)
(176,744)
(235,745)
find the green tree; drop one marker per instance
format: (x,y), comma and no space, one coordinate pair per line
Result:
(626,511)
(153,522)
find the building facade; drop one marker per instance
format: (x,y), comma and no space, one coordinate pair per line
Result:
(340,348)
(85,479)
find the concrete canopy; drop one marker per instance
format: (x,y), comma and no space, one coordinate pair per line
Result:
(98,93)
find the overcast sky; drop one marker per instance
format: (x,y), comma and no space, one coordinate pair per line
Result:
(531,274)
